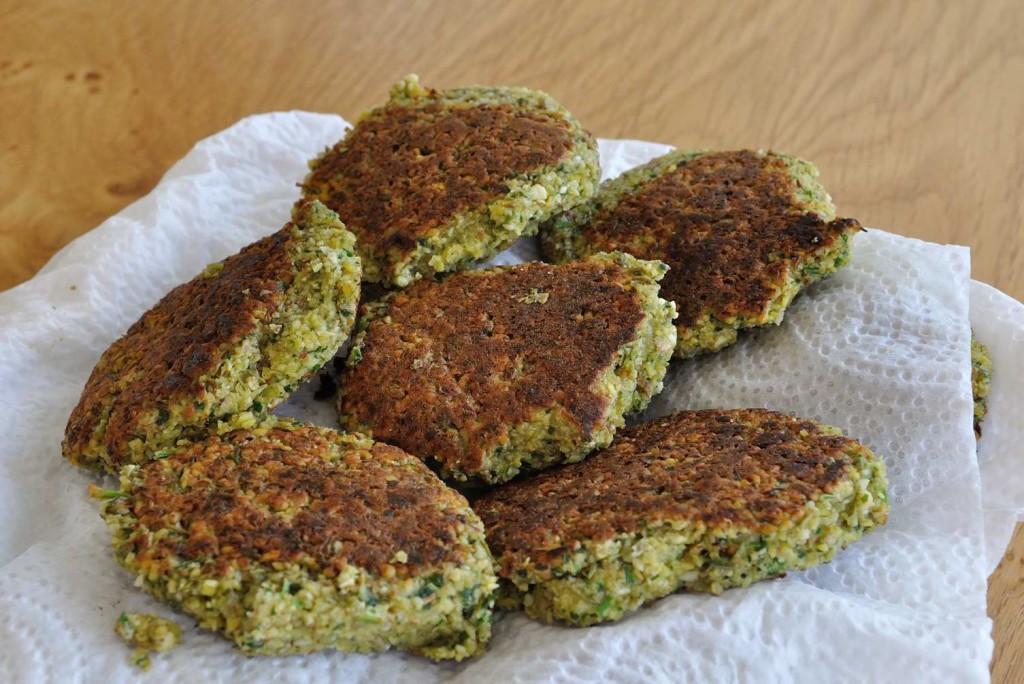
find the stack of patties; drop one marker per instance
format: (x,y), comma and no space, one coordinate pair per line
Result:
(708,500)
(284,537)
(288,538)
(742,233)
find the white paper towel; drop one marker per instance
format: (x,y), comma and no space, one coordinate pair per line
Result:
(880,349)
(998,321)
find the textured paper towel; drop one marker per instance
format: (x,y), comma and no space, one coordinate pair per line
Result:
(998,321)
(880,350)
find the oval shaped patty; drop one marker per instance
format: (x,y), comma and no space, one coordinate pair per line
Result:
(223,348)
(743,232)
(434,181)
(289,538)
(699,500)
(491,372)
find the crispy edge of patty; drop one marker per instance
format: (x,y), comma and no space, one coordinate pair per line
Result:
(981,381)
(547,435)
(585,579)
(476,233)
(280,604)
(562,239)
(194,364)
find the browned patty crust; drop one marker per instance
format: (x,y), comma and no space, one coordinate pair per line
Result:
(275,498)
(748,468)
(454,364)
(406,169)
(728,226)
(291,538)
(163,373)
(166,353)
(439,180)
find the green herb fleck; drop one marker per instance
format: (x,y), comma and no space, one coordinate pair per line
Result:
(100,493)
(469,596)
(140,658)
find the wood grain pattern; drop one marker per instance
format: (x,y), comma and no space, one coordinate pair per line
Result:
(913,110)
(1005,600)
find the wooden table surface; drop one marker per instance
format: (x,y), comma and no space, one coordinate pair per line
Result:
(914,111)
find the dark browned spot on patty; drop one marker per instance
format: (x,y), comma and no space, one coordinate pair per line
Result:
(263,499)
(457,363)
(746,468)
(404,171)
(183,338)
(728,226)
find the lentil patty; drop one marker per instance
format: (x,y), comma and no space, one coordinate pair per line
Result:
(289,538)
(494,371)
(742,231)
(981,381)
(700,500)
(222,349)
(439,180)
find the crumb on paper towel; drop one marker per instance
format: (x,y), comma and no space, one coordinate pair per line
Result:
(149,633)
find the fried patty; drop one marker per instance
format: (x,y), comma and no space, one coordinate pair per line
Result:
(222,349)
(981,381)
(743,233)
(288,538)
(699,500)
(434,181)
(491,372)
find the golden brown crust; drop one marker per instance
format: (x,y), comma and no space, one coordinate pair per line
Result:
(404,171)
(455,364)
(746,468)
(302,495)
(164,356)
(728,226)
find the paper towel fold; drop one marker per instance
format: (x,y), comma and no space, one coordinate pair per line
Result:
(880,350)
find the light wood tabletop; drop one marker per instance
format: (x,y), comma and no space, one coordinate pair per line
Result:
(914,111)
